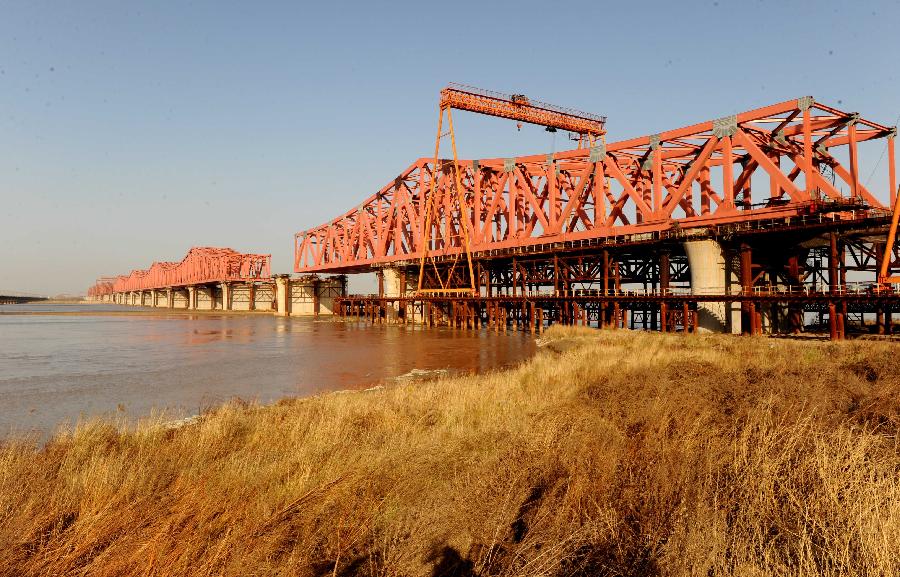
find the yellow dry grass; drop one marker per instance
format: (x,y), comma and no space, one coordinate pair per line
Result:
(606,454)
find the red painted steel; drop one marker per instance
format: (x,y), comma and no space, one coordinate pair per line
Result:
(103,286)
(519,107)
(700,175)
(200,265)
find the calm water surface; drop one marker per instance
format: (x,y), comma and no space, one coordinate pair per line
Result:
(74,361)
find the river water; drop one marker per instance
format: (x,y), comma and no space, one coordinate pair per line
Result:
(60,363)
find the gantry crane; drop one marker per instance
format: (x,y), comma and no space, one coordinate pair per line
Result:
(588,127)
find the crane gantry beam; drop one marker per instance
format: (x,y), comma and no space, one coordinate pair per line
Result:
(511,106)
(521,108)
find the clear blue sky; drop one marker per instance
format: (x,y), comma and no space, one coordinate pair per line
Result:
(130,132)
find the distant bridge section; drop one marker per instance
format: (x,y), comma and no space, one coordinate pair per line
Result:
(14,298)
(210,278)
(201,265)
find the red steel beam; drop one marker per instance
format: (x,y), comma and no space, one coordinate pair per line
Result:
(200,265)
(519,107)
(691,177)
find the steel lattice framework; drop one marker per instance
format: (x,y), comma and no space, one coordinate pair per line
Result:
(200,265)
(774,162)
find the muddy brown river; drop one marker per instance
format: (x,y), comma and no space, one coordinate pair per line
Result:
(59,363)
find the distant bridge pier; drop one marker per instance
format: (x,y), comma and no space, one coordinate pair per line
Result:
(309,295)
(282,295)
(253,295)
(392,283)
(227,291)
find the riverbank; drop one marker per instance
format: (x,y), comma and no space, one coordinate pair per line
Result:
(606,454)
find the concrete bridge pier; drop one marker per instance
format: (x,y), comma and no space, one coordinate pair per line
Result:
(307,296)
(227,291)
(282,295)
(710,275)
(392,283)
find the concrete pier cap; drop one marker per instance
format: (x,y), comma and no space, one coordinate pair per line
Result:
(710,275)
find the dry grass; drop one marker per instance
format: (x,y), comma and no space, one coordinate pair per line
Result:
(607,454)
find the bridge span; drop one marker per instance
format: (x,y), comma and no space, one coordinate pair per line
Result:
(210,278)
(755,222)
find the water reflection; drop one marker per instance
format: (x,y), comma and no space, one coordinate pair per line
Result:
(98,359)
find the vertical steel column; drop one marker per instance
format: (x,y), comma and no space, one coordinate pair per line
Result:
(747,321)
(832,321)
(795,314)
(836,278)
(604,306)
(879,306)
(664,288)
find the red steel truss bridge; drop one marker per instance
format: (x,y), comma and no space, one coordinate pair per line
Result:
(804,153)
(201,265)
(746,223)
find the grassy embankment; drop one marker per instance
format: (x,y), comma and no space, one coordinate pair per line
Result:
(607,454)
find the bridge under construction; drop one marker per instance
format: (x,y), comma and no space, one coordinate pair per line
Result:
(752,223)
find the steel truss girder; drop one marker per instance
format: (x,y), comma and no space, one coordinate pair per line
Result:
(696,176)
(200,265)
